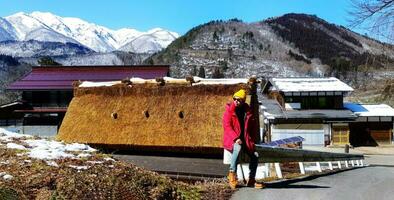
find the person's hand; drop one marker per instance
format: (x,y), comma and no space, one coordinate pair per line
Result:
(238,141)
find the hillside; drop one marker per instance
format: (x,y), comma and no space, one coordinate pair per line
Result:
(34,48)
(290,45)
(10,71)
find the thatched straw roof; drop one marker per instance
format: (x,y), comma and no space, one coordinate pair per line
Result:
(162,113)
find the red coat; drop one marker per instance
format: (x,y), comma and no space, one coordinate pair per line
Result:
(232,130)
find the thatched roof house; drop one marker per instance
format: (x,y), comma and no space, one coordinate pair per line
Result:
(164,114)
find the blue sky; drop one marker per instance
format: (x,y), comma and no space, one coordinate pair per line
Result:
(177,15)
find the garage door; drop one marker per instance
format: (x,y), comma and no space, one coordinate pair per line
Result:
(340,135)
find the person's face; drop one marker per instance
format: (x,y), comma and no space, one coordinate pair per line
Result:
(238,101)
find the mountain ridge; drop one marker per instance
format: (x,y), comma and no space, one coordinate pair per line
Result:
(289,45)
(98,38)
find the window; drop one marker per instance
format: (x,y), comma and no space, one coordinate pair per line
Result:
(53,102)
(65,98)
(322,102)
(317,102)
(27,96)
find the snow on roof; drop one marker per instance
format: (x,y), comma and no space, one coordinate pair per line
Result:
(310,84)
(98,84)
(11,104)
(224,81)
(370,110)
(198,81)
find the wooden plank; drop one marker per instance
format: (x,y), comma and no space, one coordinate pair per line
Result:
(278,170)
(302,168)
(318,167)
(330,166)
(339,165)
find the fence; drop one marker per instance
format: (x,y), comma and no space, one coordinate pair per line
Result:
(278,155)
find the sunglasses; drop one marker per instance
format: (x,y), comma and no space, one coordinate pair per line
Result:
(236,99)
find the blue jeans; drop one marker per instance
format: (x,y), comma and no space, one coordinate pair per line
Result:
(234,160)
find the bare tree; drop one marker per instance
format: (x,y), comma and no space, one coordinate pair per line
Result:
(377,16)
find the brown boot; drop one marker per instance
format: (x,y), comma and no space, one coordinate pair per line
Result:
(232,179)
(252,183)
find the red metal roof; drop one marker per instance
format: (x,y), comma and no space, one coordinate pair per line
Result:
(47,78)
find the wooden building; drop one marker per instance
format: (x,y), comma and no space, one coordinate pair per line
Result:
(308,107)
(373,126)
(47,91)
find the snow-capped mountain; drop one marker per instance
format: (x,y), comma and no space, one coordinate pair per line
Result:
(44,26)
(155,39)
(6,30)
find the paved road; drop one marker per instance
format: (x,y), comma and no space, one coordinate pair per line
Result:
(209,167)
(373,182)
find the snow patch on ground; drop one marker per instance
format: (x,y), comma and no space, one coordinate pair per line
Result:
(6,176)
(79,167)
(109,159)
(48,154)
(44,149)
(9,135)
(15,146)
(52,163)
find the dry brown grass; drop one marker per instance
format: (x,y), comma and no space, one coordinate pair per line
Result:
(106,180)
(148,115)
(380,91)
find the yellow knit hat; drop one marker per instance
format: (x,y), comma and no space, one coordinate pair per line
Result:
(240,94)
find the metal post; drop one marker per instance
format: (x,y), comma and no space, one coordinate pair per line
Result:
(243,175)
(352,163)
(362,163)
(358,163)
(302,168)
(347,148)
(330,165)
(318,167)
(339,165)
(278,170)
(346,164)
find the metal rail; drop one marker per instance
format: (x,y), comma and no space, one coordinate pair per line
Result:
(277,154)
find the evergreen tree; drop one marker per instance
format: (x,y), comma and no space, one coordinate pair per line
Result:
(215,36)
(194,70)
(217,73)
(47,61)
(201,72)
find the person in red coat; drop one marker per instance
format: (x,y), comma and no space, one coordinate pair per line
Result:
(240,132)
